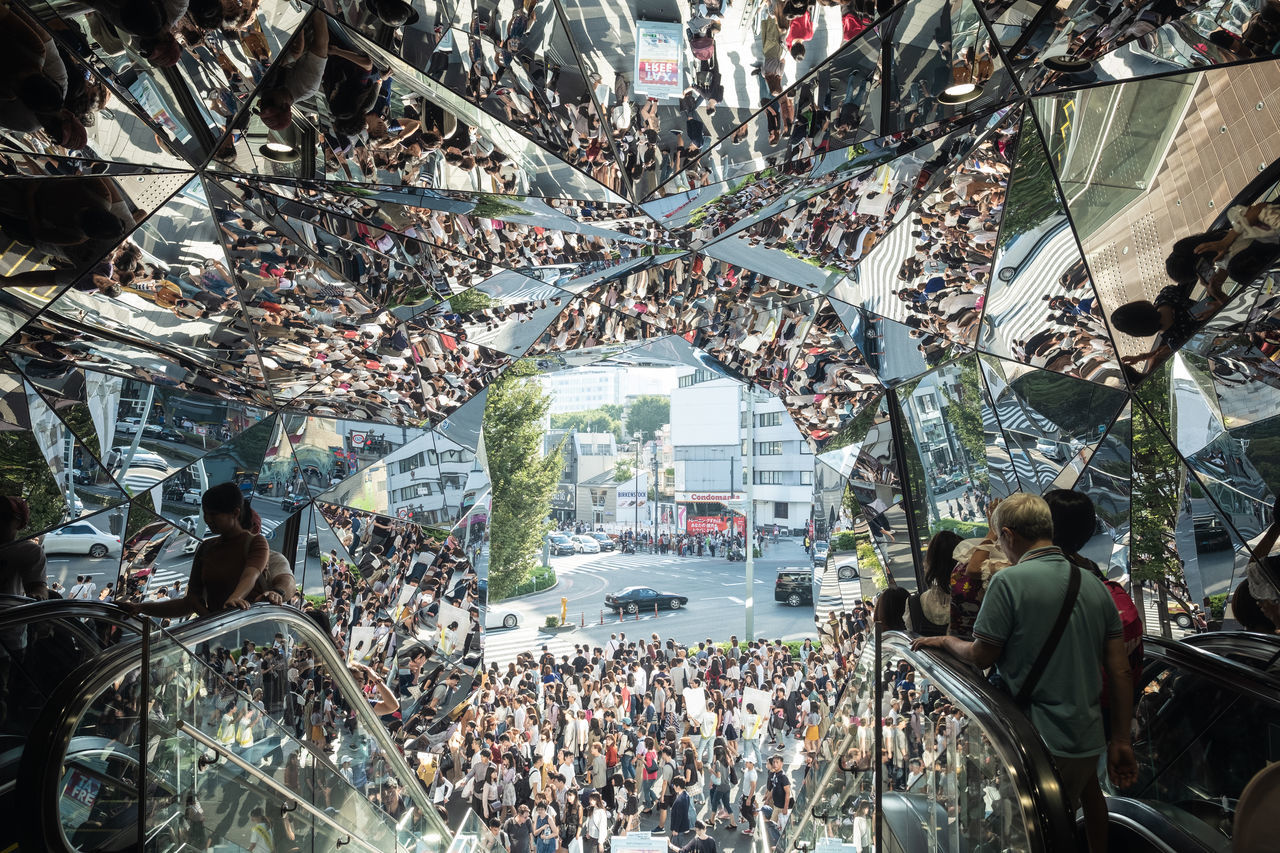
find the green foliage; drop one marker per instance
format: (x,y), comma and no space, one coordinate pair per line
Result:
(964,409)
(590,420)
(868,559)
(24,473)
(470,300)
(623,470)
(844,542)
(543,577)
(1156,494)
(648,414)
(552,622)
(966,529)
(1218,605)
(523,479)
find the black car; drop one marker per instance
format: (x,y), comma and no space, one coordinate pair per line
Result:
(293,502)
(636,598)
(1210,533)
(794,587)
(606,544)
(560,545)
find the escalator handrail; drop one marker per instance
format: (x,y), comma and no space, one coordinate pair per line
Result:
(1259,684)
(189,634)
(55,725)
(1050,825)
(36,610)
(1249,643)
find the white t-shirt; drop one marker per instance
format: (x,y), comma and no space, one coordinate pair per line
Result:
(303,80)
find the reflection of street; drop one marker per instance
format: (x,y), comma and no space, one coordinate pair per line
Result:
(716,589)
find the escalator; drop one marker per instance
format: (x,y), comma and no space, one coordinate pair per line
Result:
(41,643)
(1259,651)
(1206,724)
(221,766)
(969,773)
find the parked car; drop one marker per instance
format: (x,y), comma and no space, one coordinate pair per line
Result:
(192,497)
(497,617)
(583,544)
(606,542)
(820,550)
(636,598)
(794,586)
(81,538)
(560,545)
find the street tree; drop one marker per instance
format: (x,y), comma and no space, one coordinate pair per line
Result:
(599,420)
(1156,497)
(648,414)
(523,479)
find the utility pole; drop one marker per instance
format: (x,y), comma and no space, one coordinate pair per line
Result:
(751,514)
(635,529)
(654,506)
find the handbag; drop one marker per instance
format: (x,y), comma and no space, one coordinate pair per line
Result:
(1023,697)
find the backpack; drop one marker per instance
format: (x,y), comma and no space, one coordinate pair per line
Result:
(523,790)
(1131,632)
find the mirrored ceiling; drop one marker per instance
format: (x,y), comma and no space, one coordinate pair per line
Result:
(973,247)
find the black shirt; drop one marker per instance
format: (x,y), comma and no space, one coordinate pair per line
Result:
(1178,299)
(518,835)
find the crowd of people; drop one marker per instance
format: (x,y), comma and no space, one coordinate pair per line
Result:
(638,735)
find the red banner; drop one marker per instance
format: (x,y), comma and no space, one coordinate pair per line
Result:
(714,524)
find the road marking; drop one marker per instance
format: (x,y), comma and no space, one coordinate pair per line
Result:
(736,600)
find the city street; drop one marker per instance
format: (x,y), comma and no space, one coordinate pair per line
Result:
(716,589)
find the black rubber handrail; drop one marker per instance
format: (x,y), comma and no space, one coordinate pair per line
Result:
(1242,678)
(1049,823)
(1260,651)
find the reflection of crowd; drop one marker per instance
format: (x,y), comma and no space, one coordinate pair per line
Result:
(1073,339)
(955,231)
(333,343)
(690,293)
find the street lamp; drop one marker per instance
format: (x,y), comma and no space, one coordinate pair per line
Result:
(635,528)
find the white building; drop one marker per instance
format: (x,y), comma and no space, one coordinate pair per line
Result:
(709,442)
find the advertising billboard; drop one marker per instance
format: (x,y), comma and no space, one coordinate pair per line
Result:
(659,68)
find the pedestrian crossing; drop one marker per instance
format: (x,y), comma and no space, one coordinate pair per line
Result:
(165,578)
(875,283)
(1016,315)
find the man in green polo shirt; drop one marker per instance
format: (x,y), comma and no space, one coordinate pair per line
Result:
(1017,616)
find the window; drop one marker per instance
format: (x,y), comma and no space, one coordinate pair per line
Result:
(806,478)
(928,403)
(742,420)
(432,458)
(769,478)
(407,465)
(769,419)
(780,509)
(768,448)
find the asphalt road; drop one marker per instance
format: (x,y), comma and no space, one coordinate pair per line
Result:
(717,600)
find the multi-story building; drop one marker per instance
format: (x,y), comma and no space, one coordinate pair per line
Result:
(711,457)
(585,457)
